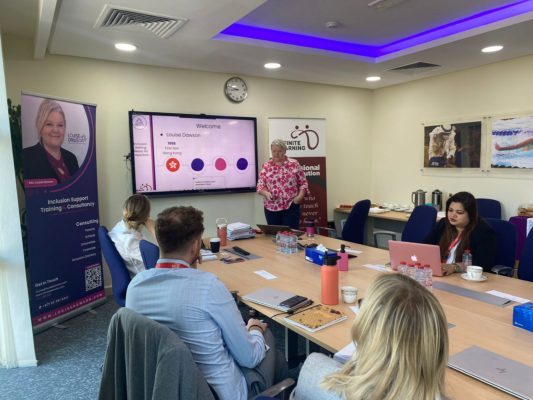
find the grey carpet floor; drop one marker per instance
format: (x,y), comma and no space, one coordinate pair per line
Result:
(70,359)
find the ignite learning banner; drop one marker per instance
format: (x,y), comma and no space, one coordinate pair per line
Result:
(306,142)
(64,260)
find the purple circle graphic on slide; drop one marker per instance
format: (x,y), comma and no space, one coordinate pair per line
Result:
(220,164)
(242,164)
(197,164)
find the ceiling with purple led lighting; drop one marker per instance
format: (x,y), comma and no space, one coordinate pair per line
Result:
(236,37)
(481,18)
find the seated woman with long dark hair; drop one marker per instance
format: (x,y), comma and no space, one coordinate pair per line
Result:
(463,229)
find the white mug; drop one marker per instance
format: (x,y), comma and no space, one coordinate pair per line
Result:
(474,272)
(349,294)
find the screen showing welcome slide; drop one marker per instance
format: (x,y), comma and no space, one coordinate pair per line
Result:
(177,153)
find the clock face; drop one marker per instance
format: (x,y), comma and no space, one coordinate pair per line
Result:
(235,89)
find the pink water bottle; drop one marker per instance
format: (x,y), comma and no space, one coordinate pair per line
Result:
(342,262)
(330,281)
(310,227)
(222,230)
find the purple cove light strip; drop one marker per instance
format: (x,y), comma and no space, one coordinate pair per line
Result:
(468,23)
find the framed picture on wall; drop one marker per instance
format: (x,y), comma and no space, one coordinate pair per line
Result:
(512,142)
(456,145)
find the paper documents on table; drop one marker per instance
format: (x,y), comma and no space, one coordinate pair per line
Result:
(344,354)
(508,296)
(207,255)
(378,267)
(316,318)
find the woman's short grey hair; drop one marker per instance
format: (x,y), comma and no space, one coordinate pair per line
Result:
(279,143)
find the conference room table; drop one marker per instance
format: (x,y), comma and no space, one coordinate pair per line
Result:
(475,322)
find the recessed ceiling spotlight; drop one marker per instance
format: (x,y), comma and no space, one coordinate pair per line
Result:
(125,47)
(491,49)
(332,24)
(272,65)
(373,78)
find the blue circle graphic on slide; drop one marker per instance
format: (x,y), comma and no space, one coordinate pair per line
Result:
(197,164)
(242,163)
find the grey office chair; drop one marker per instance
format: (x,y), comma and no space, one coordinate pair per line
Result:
(146,360)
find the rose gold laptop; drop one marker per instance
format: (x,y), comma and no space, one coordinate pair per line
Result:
(415,253)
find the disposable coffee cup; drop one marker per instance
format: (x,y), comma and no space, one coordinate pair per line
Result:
(349,294)
(215,244)
(474,272)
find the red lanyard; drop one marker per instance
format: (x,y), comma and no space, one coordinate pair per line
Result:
(170,265)
(454,243)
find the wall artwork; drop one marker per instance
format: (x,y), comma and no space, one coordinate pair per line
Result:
(456,145)
(512,142)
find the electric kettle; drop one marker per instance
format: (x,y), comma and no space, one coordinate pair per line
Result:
(418,198)
(436,199)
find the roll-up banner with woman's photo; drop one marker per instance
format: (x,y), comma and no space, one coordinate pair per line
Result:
(306,142)
(64,260)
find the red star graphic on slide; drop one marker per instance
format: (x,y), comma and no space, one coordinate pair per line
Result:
(172,164)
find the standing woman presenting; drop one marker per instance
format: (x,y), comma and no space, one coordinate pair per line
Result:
(283,185)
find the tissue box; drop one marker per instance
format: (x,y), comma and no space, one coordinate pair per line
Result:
(317,256)
(523,316)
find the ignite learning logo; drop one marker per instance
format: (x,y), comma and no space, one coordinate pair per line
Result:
(310,135)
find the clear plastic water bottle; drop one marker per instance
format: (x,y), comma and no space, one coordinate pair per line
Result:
(402,268)
(467,258)
(411,270)
(428,275)
(278,242)
(294,243)
(420,275)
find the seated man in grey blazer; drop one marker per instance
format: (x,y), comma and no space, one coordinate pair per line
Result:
(237,359)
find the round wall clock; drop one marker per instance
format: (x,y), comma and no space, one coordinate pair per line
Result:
(235,89)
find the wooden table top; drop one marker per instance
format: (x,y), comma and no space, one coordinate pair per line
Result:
(475,322)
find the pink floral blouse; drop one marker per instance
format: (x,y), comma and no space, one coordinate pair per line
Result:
(283,182)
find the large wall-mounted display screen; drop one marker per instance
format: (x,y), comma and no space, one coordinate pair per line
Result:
(188,154)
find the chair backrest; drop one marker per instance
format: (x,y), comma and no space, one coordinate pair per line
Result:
(354,228)
(489,208)
(505,240)
(120,276)
(149,253)
(146,360)
(525,268)
(420,224)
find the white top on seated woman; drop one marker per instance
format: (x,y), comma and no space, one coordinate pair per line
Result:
(401,335)
(126,234)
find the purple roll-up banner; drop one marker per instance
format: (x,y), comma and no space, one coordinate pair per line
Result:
(64,260)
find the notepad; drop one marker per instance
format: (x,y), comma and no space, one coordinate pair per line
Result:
(316,318)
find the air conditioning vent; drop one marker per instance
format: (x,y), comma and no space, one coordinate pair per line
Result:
(162,26)
(416,67)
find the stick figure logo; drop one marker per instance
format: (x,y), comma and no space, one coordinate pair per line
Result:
(309,133)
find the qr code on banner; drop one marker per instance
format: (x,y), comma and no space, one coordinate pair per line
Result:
(93,278)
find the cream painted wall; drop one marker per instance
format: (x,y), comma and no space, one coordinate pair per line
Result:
(504,88)
(16,338)
(117,88)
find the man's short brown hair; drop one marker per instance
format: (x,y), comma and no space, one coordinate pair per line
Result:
(177,227)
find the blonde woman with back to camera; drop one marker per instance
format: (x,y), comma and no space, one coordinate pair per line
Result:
(401,336)
(126,234)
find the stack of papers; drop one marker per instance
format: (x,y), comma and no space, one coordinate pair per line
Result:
(207,255)
(239,230)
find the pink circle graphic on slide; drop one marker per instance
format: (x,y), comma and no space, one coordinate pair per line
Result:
(220,164)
